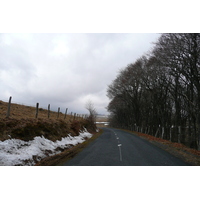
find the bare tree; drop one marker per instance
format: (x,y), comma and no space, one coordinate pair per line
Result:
(161,90)
(180,53)
(92,111)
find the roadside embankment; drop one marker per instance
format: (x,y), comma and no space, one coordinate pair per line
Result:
(28,141)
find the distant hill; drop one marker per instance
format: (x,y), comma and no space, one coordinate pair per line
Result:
(102,118)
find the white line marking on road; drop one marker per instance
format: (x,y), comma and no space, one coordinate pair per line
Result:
(120,153)
(119,145)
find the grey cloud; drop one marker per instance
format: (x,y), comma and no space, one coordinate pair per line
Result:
(66,69)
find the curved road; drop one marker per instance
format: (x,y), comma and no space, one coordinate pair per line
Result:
(119,148)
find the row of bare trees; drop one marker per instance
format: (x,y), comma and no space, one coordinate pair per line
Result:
(161,89)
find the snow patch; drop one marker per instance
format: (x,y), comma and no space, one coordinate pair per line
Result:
(19,152)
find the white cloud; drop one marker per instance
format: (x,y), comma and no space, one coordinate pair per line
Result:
(66,69)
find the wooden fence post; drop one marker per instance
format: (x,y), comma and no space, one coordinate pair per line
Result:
(8,110)
(70,115)
(48,111)
(163,132)
(156,135)
(36,113)
(74,116)
(170,133)
(65,113)
(58,112)
(179,134)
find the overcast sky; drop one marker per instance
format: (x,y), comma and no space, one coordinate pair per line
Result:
(66,70)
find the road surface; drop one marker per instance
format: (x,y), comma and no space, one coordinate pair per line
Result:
(119,148)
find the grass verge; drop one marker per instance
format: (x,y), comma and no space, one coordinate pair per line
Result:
(61,158)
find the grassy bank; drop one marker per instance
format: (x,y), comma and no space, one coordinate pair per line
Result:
(24,126)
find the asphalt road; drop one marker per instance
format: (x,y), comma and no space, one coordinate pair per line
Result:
(120,148)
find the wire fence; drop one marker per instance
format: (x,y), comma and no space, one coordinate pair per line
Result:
(16,110)
(187,135)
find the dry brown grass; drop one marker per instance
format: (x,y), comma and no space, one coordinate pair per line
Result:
(27,129)
(23,125)
(18,111)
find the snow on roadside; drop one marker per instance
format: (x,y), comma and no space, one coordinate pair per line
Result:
(19,152)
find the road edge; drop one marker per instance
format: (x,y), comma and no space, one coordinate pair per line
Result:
(59,159)
(188,155)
